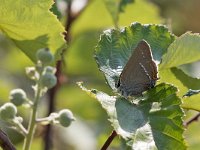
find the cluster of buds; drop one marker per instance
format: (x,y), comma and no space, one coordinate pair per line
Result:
(44,77)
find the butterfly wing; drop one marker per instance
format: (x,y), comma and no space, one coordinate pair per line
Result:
(140,72)
(147,61)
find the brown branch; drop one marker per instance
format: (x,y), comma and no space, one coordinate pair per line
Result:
(109,140)
(51,108)
(71,17)
(52,92)
(195,118)
(5,143)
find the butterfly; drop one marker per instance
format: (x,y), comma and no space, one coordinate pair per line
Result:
(140,72)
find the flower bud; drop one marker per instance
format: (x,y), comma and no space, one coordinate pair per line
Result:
(17,97)
(66,117)
(48,80)
(32,73)
(49,69)
(45,56)
(8,111)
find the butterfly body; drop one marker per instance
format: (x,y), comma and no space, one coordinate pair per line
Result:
(140,72)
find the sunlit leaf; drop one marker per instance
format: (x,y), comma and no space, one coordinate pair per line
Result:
(31,25)
(183,50)
(187,81)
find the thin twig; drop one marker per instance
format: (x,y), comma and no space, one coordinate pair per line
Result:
(52,93)
(71,17)
(51,107)
(33,116)
(5,143)
(20,128)
(195,118)
(109,140)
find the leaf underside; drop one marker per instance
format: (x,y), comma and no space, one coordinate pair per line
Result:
(154,123)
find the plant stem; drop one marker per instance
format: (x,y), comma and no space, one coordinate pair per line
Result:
(20,127)
(109,140)
(5,142)
(32,122)
(71,17)
(52,92)
(195,118)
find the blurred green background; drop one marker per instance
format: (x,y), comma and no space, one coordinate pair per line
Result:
(91,128)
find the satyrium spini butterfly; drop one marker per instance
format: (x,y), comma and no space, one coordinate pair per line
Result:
(140,72)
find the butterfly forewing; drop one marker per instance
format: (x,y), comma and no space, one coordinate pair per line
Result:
(140,72)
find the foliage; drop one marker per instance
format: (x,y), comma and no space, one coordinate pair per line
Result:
(138,124)
(154,121)
(116,46)
(44,78)
(182,51)
(29,30)
(112,54)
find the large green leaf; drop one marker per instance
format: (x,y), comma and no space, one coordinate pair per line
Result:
(116,46)
(184,83)
(31,25)
(154,123)
(187,81)
(185,49)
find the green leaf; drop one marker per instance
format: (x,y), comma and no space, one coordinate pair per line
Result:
(31,25)
(115,47)
(183,50)
(115,7)
(154,123)
(56,10)
(187,81)
(123,3)
(191,103)
(184,83)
